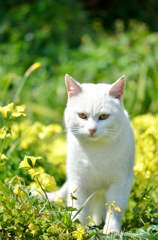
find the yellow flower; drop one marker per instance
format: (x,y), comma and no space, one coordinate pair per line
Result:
(39,169)
(55,128)
(32,68)
(90,220)
(33,159)
(58,201)
(17,112)
(45,131)
(25,164)
(111,212)
(47,181)
(4,156)
(118,209)
(36,188)
(2,133)
(16,189)
(78,234)
(32,172)
(4,110)
(139,168)
(34,185)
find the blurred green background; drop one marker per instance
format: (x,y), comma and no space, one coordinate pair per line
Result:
(93,41)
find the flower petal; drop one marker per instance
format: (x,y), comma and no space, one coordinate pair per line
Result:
(24,163)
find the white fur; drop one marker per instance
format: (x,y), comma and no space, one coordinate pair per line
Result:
(101,162)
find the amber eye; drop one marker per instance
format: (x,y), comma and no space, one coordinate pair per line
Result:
(103,116)
(82,115)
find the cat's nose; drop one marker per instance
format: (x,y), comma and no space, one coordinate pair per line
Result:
(92,130)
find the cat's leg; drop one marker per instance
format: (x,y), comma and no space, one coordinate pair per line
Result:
(62,193)
(97,208)
(81,195)
(118,192)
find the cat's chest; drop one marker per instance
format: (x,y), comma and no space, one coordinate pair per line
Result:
(92,159)
(96,167)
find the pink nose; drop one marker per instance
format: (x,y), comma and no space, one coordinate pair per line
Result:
(93,130)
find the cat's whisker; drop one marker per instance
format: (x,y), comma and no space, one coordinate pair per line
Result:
(81,133)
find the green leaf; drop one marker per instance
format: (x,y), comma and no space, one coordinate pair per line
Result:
(5,218)
(110,236)
(1,198)
(75,190)
(68,209)
(65,219)
(147,224)
(1,210)
(90,235)
(69,221)
(73,197)
(140,235)
(4,189)
(43,237)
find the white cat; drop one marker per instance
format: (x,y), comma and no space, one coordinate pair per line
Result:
(101,150)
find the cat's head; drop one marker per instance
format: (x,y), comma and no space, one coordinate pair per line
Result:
(94,111)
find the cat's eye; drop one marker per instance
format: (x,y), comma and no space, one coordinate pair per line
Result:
(103,116)
(82,115)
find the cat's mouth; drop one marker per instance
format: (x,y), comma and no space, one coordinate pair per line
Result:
(92,137)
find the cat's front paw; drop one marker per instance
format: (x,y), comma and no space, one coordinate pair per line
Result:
(34,192)
(51,196)
(110,230)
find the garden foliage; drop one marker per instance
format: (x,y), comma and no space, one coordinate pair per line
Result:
(64,41)
(23,215)
(33,146)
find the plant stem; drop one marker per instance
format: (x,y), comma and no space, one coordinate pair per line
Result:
(141,219)
(3,146)
(6,127)
(108,223)
(44,192)
(72,203)
(21,84)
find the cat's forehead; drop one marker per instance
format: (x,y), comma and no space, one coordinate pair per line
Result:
(93,98)
(94,92)
(95,88)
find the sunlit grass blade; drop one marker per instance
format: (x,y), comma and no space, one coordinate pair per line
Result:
(1,198)
(45,111)
(32,68)
(110,236)
(142,84)
(20,87)
(140,236)
(83,206)
(5,89)
(90,235)
(4,190)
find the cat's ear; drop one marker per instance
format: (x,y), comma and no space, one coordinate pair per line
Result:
(117,88)
(73,88)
